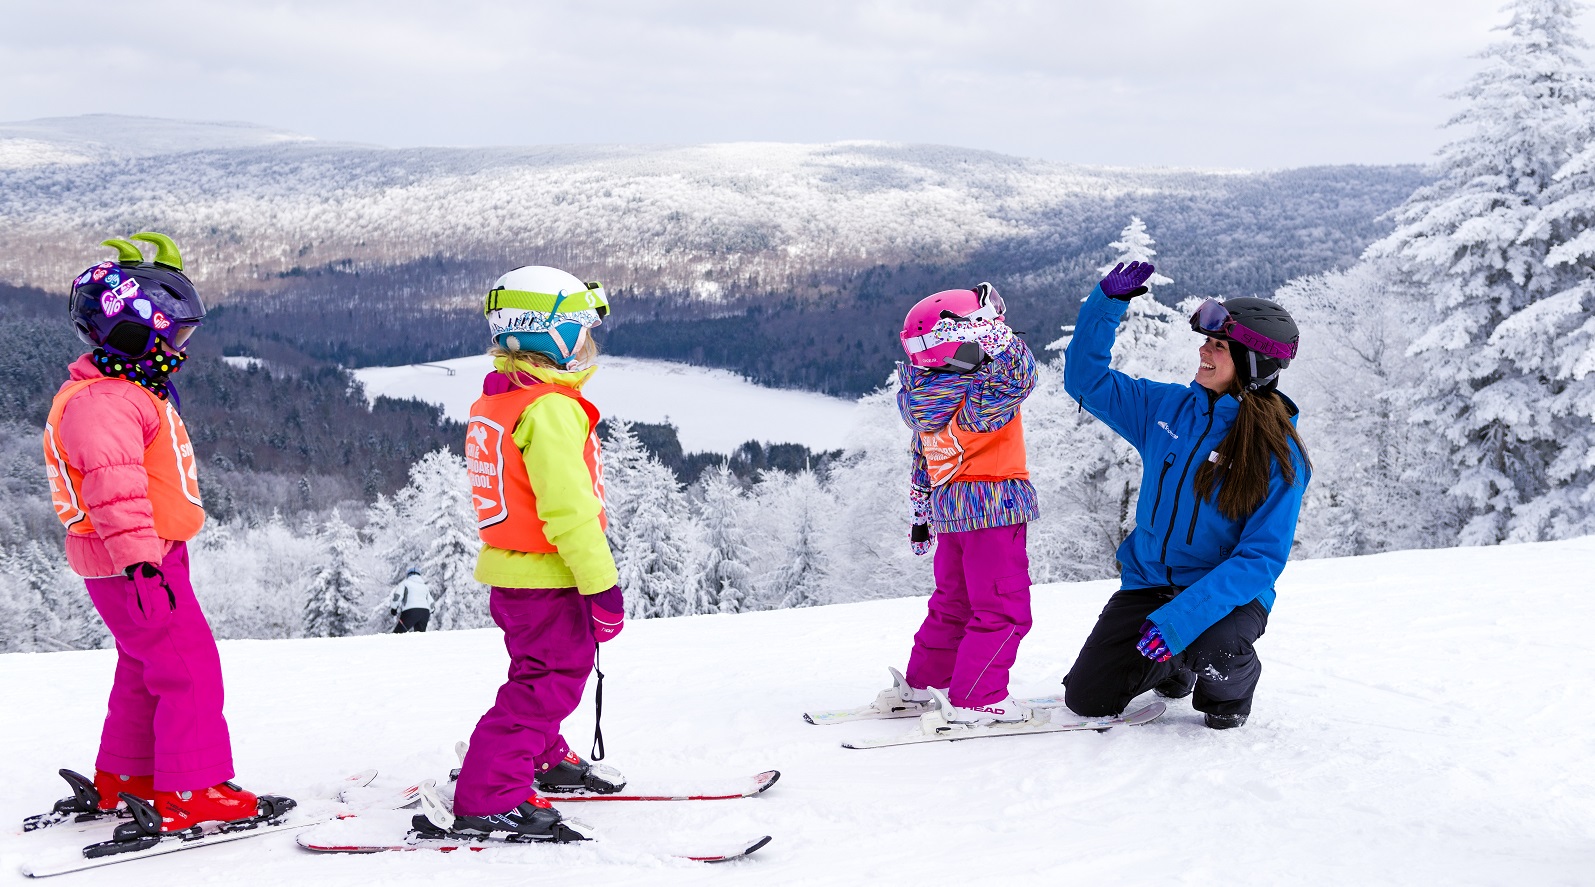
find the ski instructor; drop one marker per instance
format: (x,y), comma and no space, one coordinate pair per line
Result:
(1221,487)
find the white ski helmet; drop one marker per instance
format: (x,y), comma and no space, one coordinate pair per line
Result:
(542,309)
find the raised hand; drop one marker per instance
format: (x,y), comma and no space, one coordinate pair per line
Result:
(1125,282)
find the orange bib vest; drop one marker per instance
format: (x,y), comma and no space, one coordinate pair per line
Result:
(501,490)
(168,461)
(955,454)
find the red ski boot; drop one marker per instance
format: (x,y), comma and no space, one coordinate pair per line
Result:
(219,803)
(110,785)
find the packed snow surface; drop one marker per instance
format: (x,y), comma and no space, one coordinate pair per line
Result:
(714,411)
(1421,719)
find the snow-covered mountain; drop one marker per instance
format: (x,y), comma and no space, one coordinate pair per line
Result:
(1416,723)
(257,209)
(714,411)
(98,137)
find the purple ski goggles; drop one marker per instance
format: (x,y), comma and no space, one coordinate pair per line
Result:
(1213,319)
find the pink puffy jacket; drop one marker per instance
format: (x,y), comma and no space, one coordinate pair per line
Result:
(106,428)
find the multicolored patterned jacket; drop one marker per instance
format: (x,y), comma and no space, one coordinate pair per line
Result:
(984,400)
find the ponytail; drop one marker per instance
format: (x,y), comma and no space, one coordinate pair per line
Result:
(1261,436)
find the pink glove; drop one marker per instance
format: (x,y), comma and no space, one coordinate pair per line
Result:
(152,602)
(609,614)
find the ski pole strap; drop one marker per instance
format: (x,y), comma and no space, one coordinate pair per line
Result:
(598,706)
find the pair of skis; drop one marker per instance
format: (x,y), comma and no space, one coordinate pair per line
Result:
(332,832)
(1047,715)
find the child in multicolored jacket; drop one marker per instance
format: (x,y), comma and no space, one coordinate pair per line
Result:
(966,377)
(536,477)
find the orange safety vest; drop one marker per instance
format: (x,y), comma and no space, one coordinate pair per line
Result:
(168,461)
(956,454)
(501,490)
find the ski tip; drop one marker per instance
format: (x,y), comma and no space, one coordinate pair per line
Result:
(808,718)
(749,849)
(767,779)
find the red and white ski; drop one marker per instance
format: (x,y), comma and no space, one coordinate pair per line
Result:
(322,841)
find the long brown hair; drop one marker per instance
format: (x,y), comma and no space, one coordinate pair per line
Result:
(1262,435)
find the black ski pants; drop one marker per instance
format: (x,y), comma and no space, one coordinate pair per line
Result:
(1110,671)
(413,619)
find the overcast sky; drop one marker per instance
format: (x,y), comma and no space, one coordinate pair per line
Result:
(1214,83)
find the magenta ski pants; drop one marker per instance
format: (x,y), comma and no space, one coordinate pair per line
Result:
(549,635)
(977,616)
(165,712)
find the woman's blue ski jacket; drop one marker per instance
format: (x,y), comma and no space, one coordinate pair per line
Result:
(1179,539)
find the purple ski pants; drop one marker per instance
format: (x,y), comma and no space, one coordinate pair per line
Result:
(549,635)
(165,712)
(977,616)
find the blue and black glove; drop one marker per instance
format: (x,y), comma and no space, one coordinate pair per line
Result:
(1152,645)
(1126,282)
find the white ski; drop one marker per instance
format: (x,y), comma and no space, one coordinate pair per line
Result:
(934,727)
(890,705)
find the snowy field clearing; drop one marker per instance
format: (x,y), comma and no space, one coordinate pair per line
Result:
(1420,720)
(714,411)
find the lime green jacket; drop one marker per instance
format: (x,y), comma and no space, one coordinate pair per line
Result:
(551,435)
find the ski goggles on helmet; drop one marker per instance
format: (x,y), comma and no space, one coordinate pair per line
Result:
(989,308)
(592,298)
(137,340)
(1213,319)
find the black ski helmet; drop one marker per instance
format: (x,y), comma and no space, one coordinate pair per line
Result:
(1258,372)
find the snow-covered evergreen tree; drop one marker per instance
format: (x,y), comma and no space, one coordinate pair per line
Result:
(651,530)
(439,506)
(800,578)
(867,540)
(332,601)
(724,572)
(1379,480)
(1498,247)
(1088,477)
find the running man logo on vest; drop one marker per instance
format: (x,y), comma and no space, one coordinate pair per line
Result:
(944,455)
(484,463)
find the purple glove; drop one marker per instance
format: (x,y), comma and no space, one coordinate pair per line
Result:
(1152,645)
(919,536)
(152,602)
(609,614)
(1125,283)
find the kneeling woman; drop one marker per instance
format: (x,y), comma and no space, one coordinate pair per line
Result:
(1221,487)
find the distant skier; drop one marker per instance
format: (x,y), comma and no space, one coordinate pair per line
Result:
(411,603)
(124,481)
(1223,473)
(536,481)
(961,390)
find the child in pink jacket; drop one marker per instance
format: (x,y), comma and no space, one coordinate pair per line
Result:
(124,481)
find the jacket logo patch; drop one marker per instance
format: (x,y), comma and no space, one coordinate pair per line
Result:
(484,464)
(1165,426)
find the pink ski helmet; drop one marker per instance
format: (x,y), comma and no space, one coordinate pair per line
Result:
(929,350)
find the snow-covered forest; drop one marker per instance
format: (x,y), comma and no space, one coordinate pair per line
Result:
(1445,382)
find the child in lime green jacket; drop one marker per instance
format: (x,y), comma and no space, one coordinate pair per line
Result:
(537,484)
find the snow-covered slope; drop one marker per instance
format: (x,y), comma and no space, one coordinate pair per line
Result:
(1420,721)
(713,410)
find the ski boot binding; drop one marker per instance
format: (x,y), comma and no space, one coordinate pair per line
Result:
(572,774)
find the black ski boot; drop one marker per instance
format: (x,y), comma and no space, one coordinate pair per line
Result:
(534,820)
(1224,722)
(1178,685)
(572,774)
